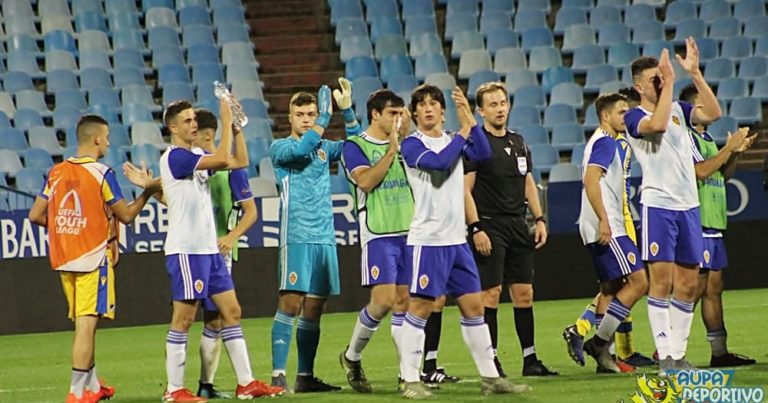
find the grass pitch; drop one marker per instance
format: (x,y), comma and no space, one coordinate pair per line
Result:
(36,367)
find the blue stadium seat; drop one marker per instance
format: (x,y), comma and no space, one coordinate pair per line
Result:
(7,106)
(228,15)
(430,63)
(107,112)
(495,22)
(161,37)
(139,94)
(6,123)
(395,65)
(444,81)
(526,19)
(21,8)
(532,133)
(235,52)
(363,86)
(565,172)
(206,98)
(95,59)
(425,43)
(566,136)
(203,54)
(81,6)
(746,110)
(345,9)
(556,114)
(31,99)
(39,158)
(115,157)
(71,98)
(719,69)
(402,83)
(123,21)
(577,154)
(498,6)
(144,153)
(654,48)
(233,33)
(472,61)
(464,41)
(509,59)
(147,4)
(173,73)
(160,17)
(732,88)
(355,46)
(760,89)
(610,87)
(388,45)
(544,57)
(678,11)
(120,6)
(599,75)
(601,15)
(90,20)
(479,78)
(197,34)
(737,48)
(694,27)
(47,8)
(60,80)
(638,15)
(521,115)
(247,89)
(756,27)
(30,180)
(713,9)
(208,73)
(568,16)
(613,3)
(587,56)
(746,9)
(128,39)
(382,8)
(255,108)
(519,77)
(649,31)
(576,36)
(10,163)
(541,5)
(134,112)
(96,78)
(724,27)
(420,25)
(720,128)
(24,118)
(23,62)
(66,116)
(456,23)
(347,27)
(22,42)
(568,93)
(503,39)
(531,95)
(761,46)
(175,91)
(418,8)
(104,96)
(21,26)
(708,49)
(612,34)
(535,37)
(147,133)
(462,7)
(753,68)
(556,75)
(60,59)
(361,66)
(194,15)
(59,40)
(166,55)
(544,157)
(13,139)
(126,76)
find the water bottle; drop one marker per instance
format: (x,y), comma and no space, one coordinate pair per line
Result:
(238,116)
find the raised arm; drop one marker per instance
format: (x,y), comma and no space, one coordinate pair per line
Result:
(286,151)
(417,155)
(221,158)
(657,122)
(705,168)
(365,176)
(710,108)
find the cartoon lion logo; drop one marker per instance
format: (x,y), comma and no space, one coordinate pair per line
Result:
(654,389)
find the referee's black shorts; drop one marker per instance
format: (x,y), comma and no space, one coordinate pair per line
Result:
(511,258)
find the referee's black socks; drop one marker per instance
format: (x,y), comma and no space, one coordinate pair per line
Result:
(524,328)
(432,341)
(493,327)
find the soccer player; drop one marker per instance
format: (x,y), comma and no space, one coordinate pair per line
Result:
(602,226)
(713,169)
(85,205)
(672,243)
(384,204)
(627,357)
(437,249)
(234,212)
(195,266)
(497,192)
(308,267)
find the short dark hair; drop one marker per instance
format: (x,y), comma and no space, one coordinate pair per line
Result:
(380,99)
(631,94)
(86,122)
(485,88)
(174,109)
(607,101)
(688,93)
(642,64)
(302,98)
(423,91)
(206,119)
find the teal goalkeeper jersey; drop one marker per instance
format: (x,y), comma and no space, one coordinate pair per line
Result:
(303,177)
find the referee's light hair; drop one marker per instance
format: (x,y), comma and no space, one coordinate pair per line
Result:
(205,119)
(642,64)
(605,103)
(688,93)
(174,109)
(485,88)
(426,90)
(302,98)
(380,99)
(85,125)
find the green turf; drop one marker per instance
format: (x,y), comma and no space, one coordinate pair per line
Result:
(35,368)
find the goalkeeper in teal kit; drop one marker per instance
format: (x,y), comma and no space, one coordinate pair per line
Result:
(308,266)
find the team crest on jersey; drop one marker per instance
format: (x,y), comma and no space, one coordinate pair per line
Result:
(103,280)
(423,281)
(676,120)
(654,248)
(199,286)
(375,272)
(321,154)
(707,256)
(293,277)
(631,257)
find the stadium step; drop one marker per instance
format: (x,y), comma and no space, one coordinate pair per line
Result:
(295,44)
(286,26)
(283,7)
(280,81)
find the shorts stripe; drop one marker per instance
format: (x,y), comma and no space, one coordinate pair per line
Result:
(283,266)
(415,268)
(364,266)
(644,252)
(619,254)
(186,276)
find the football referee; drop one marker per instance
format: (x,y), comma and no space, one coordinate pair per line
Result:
(496,195)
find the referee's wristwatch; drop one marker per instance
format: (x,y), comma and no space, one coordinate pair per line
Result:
(540,219)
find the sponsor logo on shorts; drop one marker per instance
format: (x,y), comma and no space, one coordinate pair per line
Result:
(321,154)
(631,257)
(676,120)
(707,256)
(375,272)
(199,286)
(423,281)
(293,277)
(103,280)
(654,248)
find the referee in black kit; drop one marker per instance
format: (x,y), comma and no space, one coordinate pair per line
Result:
(496,195)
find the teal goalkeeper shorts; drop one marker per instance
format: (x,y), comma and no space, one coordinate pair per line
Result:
(309,268)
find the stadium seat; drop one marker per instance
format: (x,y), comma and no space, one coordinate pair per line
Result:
(134,113)
(753,68)
(65,116)
(535,37)
(498,6)
(382,8)
(10,163)
(576,36)
(678,11)
(22,42)
(32,99)
(713,9)
(355,46)
(746,9)
(120,7)
(566,136)
(556,75)
(388,45)
(649,31)
(194,15)
(425,43)
(123,21)
(521,115)
(346,9)
(147,133)
(147,4)
(568,93)
(746,110)
(732,88)
(175,91)
(557,114)
(166,55)
(59,40)
(20,8)
(495,22)
(197,34)
(126,76)
(115,158)
(688,27)
(654,48)
(233,33)
(255,108)
(464,41)
(760,89)
(7,107)
(456,23)
(203,54)
(611,87)
(526,19)
(402,83)
(395,65)
(44,144)
(724,27)
(173,73)
(587,56)
(118,137)
(708,49)
(90,20)
(509,59)
(60,59)
(719,69)
(444,81)
(361,66)
(347,27)
(4,121)
(58,80)
(544,157)
(71,98)
(568,16)
(430,63)
(26,118)
(564,172)
(533,134)
(612,34)
(363,86)
(96,78)
(56,23)
(128,39)
(577,154)
(13,139)
(420,25)
(519,77)
(247,89)
(736,48)
(23,62)
(503,39)
(161,37)
(756,26)
(95,59)
(38,158)
(21,26)
(208,73)
(544,57)
(30,180)
(600,15)
(462,7)
(144,153)
(541,5)
(530,95)
(478,78)
(720,128)
(599,75)
(472,61)
(418,8)
(228,15)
